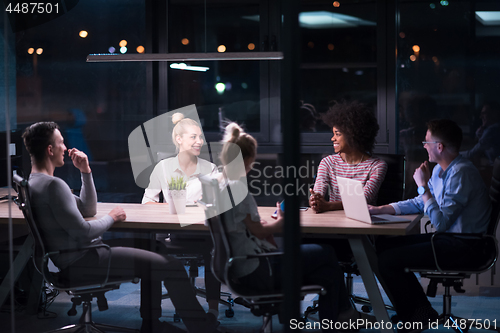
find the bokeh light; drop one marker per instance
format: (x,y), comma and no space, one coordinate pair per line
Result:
(413,57)
(140,49)
(416,48)
(31,50)
(39,51)
(185,41)
(435,59)
(336,4)
(83,34)
(123,43)
(123,49)
(221,48)
(402,34)
(331,47)
(220,87)
(251,46)
(111,49)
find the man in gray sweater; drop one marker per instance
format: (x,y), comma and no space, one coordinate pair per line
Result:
(60,216)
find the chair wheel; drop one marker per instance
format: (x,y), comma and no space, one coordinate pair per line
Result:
(229,313)
(366,308)
(177,319)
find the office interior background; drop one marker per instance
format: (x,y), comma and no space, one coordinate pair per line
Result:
(411,60)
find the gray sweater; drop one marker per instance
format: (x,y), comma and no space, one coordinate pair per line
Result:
(60,216)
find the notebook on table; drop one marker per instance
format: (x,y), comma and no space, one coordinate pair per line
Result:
(355,206)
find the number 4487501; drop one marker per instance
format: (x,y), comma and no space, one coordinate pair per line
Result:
(32,8)
(466,324)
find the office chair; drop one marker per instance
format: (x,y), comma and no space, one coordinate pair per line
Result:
(82,292)
(190,250)
(260,304)
(485,248)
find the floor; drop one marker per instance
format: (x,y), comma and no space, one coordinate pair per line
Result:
(124,311)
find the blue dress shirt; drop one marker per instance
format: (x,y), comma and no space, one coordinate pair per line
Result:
(460,200)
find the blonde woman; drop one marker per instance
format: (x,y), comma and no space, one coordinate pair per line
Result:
(188,139)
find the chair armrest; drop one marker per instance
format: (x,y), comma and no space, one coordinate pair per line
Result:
(94,246)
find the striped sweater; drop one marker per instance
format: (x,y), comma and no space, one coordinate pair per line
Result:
(370,172)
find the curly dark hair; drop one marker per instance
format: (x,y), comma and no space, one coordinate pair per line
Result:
(357,122)
(38,137)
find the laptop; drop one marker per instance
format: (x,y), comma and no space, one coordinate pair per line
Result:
(355,206)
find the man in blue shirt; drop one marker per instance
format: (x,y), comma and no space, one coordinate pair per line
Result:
(455,199)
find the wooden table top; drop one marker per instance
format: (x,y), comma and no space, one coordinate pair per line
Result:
(157,217)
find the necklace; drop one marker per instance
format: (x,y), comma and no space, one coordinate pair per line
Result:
(351,165)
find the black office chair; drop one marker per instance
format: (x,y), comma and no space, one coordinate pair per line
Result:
(82,291)
(485,249)
(190,250)
(265,305)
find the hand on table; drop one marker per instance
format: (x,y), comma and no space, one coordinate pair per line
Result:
(317,202)
(118,214)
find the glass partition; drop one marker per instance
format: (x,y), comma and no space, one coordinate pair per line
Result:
(446,68)
(96,105)
(339,58)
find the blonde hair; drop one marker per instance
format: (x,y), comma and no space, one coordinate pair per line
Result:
(234,135)
(180,126)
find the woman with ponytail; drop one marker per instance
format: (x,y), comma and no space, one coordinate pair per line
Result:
(249,234)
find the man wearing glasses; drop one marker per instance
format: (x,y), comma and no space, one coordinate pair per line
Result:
(455,199)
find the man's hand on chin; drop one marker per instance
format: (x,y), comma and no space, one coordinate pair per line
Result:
(80,160)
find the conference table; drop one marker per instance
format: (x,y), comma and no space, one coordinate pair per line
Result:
(156,218)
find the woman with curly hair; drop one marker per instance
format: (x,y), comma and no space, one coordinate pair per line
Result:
(354,129)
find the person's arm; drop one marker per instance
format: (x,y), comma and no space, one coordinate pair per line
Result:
(66,213)
(385,209)
(87,201)
(458,188)
(376,177)
(263,229)
(317,201)
(152,192)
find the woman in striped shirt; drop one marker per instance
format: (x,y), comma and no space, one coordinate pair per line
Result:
(354,128)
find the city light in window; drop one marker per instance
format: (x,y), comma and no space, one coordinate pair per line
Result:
(140,49)
(31,50)
(221,48)
(83,34)
(123,43)
(39,51)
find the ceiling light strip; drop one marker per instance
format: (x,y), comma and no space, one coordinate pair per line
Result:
(186,56)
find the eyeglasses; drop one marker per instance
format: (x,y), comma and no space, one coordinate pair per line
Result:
(424,142)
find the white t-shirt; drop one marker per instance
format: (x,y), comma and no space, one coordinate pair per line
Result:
(168,168)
